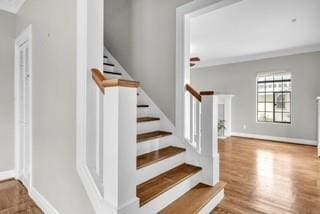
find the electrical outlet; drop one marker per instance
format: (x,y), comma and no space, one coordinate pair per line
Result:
(244,126)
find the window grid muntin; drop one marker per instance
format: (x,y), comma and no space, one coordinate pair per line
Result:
(273,92)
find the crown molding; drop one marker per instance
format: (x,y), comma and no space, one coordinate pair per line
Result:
(268,55)
(12,7)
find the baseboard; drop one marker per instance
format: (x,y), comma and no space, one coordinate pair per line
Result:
(274,138)
(42,202)
(7,174)
(93,192)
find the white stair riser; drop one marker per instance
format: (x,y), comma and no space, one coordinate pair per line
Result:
(213,203)
(170,196)
(144,112)
(150,146)
(156,169)
(172,140)
(105,60)
(109,68)
(148,127)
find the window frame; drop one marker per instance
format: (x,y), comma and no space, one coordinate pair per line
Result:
(273,92)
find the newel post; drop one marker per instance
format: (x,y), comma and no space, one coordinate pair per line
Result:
(209,139)
(119,148)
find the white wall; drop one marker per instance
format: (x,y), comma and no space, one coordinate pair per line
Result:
(240,79)
(140,34)
(54,101)
(7,36)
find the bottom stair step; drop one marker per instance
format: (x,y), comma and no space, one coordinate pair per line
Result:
(154,187)
(194,200)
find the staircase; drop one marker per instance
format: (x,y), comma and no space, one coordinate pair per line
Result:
(166,181)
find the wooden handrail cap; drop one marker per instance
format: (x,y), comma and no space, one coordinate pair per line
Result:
(120,83)
(103,82)
(206,93)
(197,95)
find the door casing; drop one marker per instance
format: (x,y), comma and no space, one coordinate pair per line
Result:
(23,147)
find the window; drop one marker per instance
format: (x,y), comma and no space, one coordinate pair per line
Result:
(274,97)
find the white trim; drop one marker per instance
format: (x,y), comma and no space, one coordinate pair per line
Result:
(26,35)
(274,138)
(81,82)
(183,15)
(42,202)
(268,55)
(7,174)
(86,178)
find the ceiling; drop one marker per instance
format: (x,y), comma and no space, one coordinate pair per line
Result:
(11,6)
(252,30)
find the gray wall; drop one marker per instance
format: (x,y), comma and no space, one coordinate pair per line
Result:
(7,35)
(240,79)
(54,103)
(141,35)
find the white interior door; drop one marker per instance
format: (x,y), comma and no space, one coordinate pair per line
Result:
(23,108)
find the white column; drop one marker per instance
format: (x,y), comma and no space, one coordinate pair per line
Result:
(119,161)
(318,100)
(209,140)
(228,114)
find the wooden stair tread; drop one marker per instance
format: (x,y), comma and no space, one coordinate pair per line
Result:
(154,187)
(152,135)
(114,73)
(143,106)
(147,119)
(194,200)
(156,156)
(109,64)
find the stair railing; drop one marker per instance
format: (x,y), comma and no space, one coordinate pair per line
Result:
(119,141)
(201,131)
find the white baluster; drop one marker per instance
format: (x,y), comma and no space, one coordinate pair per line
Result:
(191,120)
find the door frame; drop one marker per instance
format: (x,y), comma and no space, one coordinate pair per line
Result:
(25,36)
(183,15)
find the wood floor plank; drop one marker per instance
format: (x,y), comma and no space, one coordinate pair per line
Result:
(152,135)
(154,187)
(147,119)
(194,200)
(14,198)
(269,177)
(156,156)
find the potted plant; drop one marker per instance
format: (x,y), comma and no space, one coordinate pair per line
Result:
(221,128)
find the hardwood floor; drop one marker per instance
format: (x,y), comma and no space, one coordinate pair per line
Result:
(269,177)
(14,199)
